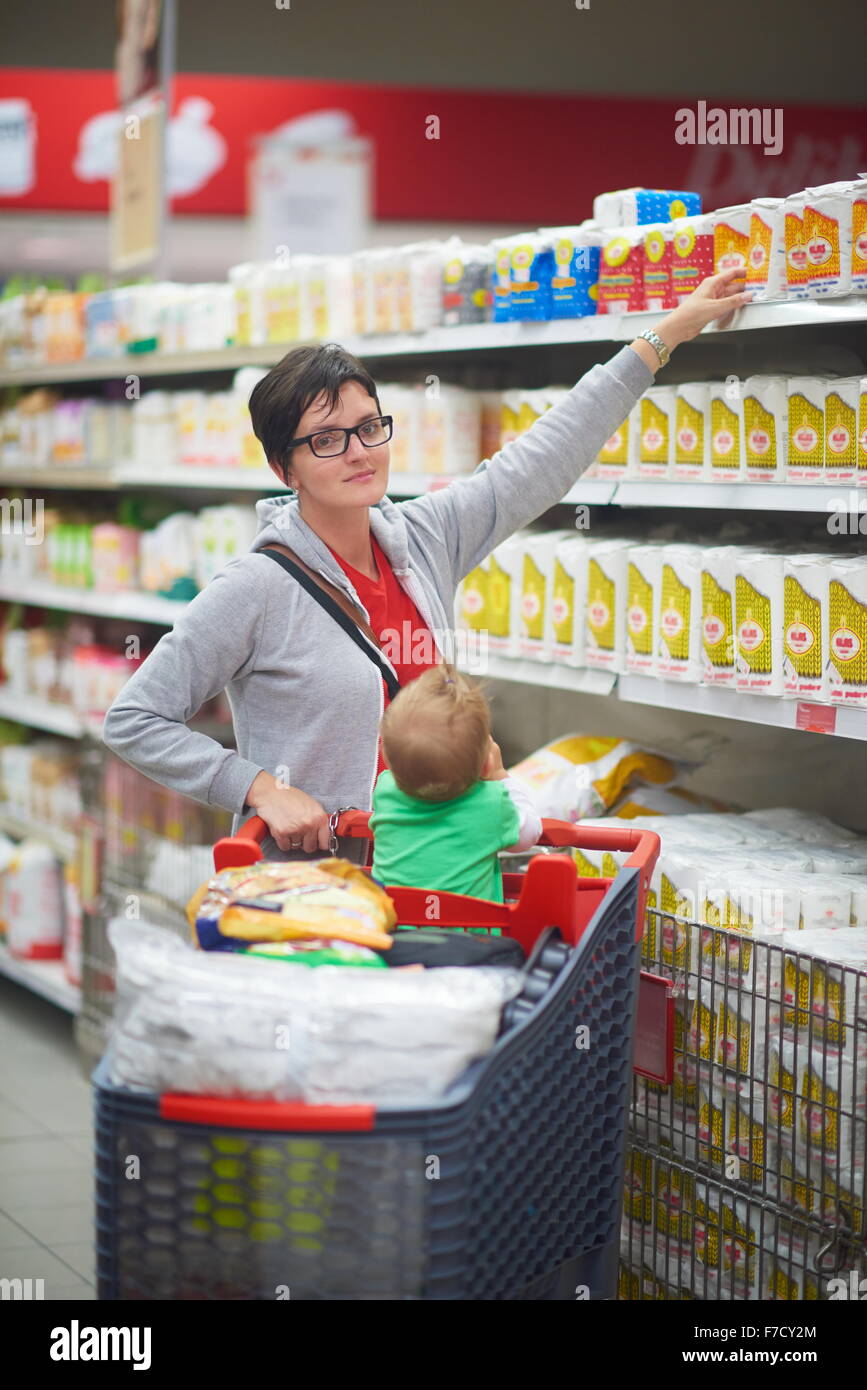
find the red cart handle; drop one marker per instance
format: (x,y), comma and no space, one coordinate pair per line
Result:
(642,845)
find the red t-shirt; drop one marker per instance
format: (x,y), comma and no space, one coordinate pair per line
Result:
(401,629)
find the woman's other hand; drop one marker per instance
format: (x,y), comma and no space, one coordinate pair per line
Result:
(295,820)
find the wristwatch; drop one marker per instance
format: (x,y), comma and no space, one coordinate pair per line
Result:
(656,342)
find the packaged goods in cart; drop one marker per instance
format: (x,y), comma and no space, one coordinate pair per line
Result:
(621,273)
(759,622)
(206,1023)
(627,206)
(765,428)
(692,432)
(678,646)
(766,251)
(841,430)
(805,618)
(847,632)
(568,596)
(575,281)
(282,902)
(583,775)
(656,432)
(726,432)
(691,253)
(643,583)
(605,632)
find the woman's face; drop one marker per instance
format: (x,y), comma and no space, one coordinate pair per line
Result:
(357,478)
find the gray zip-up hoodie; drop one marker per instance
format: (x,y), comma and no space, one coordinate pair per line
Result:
(305,701)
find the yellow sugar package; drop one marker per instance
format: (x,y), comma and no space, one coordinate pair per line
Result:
(325,899)
(583,775)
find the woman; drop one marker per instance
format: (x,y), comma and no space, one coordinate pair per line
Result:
(306,701)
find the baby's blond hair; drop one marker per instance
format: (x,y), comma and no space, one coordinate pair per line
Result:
(436,734)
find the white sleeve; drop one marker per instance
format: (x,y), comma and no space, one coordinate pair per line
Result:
(531,824)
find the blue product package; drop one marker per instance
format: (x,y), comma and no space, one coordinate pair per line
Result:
(532,272)
(501,281)
(100,324)
(664,204)
(575,282)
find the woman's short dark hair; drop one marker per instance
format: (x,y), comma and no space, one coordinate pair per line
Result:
(279,400)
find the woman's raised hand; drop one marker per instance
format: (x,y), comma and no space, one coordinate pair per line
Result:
(295,820)
(717,297)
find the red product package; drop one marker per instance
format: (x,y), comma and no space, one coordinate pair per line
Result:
(621,273)
(691,253)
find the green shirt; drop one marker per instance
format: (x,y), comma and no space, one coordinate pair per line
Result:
(450,846)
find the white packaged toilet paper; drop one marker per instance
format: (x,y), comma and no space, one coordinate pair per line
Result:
(692,429)
(759,622)
(679,636)
(841,430)
(605,632)
(566,614)
(765,422)
(805,622)
(643,580)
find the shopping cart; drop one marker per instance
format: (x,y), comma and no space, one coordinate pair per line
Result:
(508,1187)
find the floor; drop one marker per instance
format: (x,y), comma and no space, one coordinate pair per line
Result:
(46,1171)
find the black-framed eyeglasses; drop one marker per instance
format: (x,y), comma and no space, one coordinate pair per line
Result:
(328,444)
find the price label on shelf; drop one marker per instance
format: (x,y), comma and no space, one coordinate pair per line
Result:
(816,719)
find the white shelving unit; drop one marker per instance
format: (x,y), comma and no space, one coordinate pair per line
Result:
(146,608)
(45,977)
(41,714)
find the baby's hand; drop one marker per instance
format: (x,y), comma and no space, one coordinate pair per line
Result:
(493,769)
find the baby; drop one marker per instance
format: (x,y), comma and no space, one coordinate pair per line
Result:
(444,806)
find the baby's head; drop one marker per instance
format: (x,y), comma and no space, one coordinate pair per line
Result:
(436,735)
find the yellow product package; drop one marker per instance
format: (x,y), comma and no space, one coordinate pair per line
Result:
(328,899)
(583,775)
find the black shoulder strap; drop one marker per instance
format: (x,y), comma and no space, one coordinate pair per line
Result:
(337,613)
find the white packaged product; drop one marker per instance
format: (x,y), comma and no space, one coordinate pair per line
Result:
(34,903)
(805,621)
(726,427)
(766,256)
(643,582)
(404,405)
(566,610)
(759,622)
(451,431)
(505,578)
(765,423)
(795,233)
(806,446)
(731,237)
(606,605)
(656,433)
(841,430)
(678,647)
(847,632)
(210,1023)
(581,775)
(718,616)
(692,432)
(828,225)
(806,827)
(536,592)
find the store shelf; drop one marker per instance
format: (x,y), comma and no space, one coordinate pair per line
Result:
(482,337)
(745,497)
(146,608)
(45,977)
(754,709)
(549,675)
(25,708)
(63,842)
(592,492)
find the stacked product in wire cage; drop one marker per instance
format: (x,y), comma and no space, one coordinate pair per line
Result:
(745,1174)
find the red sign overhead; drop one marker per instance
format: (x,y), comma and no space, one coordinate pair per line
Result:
(513,158)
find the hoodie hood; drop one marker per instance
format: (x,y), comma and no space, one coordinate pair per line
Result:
(281,522)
